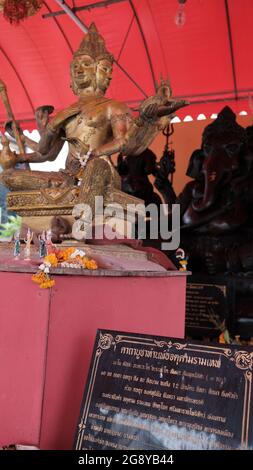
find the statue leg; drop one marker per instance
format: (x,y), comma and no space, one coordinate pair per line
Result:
(95,180)
(20,180)
(96,177)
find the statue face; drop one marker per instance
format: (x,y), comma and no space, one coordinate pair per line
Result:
(89,74)
(103,74)
(83,72)
(226,147)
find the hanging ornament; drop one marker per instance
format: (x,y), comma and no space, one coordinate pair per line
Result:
(180,17)
(17,10)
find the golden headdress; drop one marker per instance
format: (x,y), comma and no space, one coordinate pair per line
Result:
(94,45)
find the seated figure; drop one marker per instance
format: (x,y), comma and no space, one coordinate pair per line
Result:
(134,174)
(95,127)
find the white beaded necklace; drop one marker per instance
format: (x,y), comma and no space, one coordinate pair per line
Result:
(84,158)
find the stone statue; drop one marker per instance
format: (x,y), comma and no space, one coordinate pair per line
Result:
(217,216)
(134,174)
(95,127)
(216,206)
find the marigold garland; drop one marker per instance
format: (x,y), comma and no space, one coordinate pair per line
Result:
(68,258)
(43,280)
(51,259)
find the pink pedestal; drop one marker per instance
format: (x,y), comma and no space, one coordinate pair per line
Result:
(47,337)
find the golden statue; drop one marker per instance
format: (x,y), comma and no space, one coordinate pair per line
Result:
(95,127)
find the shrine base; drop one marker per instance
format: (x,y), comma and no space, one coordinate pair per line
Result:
(47,336)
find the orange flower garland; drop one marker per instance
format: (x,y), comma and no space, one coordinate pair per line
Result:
(43,280)
(51,259)
(68,258)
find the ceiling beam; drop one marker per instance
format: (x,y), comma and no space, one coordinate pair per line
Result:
(91,6)
(231,48)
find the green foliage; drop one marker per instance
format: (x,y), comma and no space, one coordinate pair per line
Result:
(8,229)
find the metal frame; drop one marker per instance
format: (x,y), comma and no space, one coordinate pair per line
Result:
(231,49)
(91,6)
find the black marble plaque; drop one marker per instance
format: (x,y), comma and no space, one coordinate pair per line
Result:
(209,305)
(154,393)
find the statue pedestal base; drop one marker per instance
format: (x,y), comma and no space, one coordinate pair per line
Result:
(47,339)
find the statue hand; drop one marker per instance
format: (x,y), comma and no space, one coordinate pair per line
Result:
(80,147)
(42,116)
(158,106)
(166,167)
(8,159)
(9,128)
(171,107)
(24,158)
(149,109)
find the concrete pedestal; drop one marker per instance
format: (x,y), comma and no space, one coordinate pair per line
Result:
(47,336)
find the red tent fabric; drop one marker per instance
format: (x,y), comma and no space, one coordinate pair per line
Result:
(208,60)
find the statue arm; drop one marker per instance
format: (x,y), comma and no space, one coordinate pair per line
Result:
(26,140)
(51,142)
(186,196)
(38,157)
(120,120)
(131,141)
(51,133)
(131,136)
(30,143)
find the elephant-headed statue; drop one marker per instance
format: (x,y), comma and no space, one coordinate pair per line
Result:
(217,205)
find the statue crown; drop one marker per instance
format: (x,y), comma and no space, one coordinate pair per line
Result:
(224,123)
(163,87)
(93,45)
(165,82)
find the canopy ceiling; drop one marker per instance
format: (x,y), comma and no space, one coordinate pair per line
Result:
(209,59)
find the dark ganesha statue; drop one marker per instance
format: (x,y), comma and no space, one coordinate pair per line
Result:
(217,208)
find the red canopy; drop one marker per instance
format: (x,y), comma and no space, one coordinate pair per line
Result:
(208,60)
